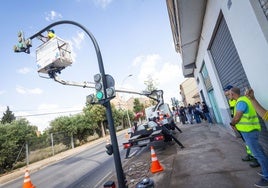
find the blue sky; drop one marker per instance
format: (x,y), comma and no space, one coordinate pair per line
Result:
(134,37)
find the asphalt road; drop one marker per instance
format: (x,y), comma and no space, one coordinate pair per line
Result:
(88,169)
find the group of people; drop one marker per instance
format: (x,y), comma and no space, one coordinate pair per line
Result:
(193,113)
(244,110)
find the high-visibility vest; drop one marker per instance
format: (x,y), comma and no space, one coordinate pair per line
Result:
(232,103)
(249,121)
(50,35)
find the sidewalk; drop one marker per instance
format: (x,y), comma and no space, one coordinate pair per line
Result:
(211,158)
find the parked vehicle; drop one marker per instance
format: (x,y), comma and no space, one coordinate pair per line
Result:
(153,132)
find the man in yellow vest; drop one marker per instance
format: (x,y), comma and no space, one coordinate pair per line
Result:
(50,34)
(232,102)
(247,122)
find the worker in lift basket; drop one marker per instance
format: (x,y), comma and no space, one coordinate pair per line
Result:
(50,34)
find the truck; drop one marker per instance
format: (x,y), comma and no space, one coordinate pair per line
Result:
(150,132)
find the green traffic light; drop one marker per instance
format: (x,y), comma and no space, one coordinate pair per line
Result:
(20,45)
(99,95)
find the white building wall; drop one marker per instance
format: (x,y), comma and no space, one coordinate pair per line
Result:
(250,43)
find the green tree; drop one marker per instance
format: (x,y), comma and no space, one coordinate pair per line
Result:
(118,116)
(84,128)
(62,129)
(137,106)
(96,115)
(62,124)
(8,116)
(13,137)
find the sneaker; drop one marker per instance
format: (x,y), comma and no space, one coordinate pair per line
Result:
(260,173)
(262,183)
(254,164)
(247,158)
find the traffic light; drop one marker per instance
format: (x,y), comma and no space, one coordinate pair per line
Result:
(100,95)
(90,99)
(110,90)
(23,45)
(109,149)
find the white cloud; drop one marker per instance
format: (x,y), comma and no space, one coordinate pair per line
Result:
(103,3)
(78,39)
(48,107)
(23,90)
(52,15)
(76,43)
(24,70)
(3,108)
(35,91)
(166,75)
(46,113)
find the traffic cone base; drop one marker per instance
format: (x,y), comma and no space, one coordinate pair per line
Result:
(155,166)
(27,181)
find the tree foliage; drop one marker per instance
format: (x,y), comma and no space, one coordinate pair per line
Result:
(138,106)
(96,115)
(8,116)
(13,137)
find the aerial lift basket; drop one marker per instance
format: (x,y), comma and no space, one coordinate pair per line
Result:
(53,55)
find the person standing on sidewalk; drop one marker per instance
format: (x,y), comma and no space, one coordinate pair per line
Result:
(189,113)
(205,111)
(247,122)
(232,102)
(259,108)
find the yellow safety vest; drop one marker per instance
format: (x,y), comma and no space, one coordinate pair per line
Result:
(249,121)
(50,35)
(232,103)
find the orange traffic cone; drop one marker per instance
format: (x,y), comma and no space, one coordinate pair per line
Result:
(127,136)
(155,166)
(27,181)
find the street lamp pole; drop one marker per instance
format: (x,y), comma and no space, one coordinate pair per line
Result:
(125,79)
(129,123)
(117,160)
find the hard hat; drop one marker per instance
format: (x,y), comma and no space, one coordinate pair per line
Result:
(227,88)
(51,30)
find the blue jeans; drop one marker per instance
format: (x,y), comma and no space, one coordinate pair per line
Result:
(251,139)
(197,118)
(208,117)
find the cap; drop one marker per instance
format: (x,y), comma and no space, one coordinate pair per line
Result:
(228,87)
(51,30)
